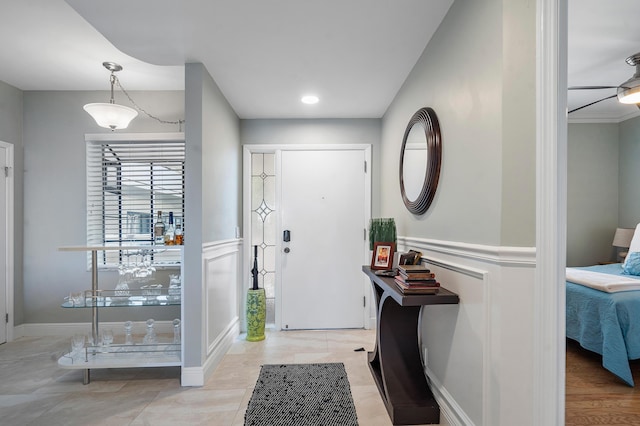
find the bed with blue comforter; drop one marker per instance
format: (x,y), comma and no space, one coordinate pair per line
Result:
(606,323)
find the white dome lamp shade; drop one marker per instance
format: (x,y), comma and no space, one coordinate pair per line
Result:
(111,115)
(629,91)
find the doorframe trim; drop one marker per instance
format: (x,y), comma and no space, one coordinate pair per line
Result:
(9,243)
(551,213)
(246,212)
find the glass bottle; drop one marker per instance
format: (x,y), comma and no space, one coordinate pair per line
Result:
(176,331)
(150,338)
(179,232)
(158,230)
(175,285)
(128,338)
(170,233)
(121,294)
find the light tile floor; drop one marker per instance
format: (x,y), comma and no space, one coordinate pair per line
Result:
(35,391)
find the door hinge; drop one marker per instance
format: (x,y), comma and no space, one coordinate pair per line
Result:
(365,167)
(6,171)
(364,301)
(365,234)
(6,318)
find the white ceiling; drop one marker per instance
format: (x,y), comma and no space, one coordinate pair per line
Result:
(264,55)
(602,34)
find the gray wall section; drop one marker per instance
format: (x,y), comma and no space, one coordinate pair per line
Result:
(321,132)
(518,216)
(213,196)
(602,192)
(221,166)
(483,90)
(592,192)
(629,214)
(11,100)
(55,199)
(486,115)
(192,275)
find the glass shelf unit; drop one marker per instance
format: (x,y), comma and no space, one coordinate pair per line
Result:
(109,298)
(123,356)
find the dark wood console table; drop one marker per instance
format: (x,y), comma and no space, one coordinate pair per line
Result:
(395,363)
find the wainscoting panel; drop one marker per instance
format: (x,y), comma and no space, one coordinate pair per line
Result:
(462,345)
(220,265)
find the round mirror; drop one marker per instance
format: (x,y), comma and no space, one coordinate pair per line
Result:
(420,157)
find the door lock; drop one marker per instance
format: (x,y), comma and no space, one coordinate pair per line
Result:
(287,249)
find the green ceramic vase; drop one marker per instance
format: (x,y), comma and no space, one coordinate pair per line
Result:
(256,314)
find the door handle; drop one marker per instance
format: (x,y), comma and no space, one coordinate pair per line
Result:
(286,236)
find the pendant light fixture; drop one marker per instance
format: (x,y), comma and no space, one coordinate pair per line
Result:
(111,115)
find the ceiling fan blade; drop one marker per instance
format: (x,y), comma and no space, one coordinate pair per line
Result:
(595,102)
(591,87)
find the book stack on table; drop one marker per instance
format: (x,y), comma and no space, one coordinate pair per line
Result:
(416,279)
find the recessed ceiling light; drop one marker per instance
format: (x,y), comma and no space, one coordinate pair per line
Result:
(310,99)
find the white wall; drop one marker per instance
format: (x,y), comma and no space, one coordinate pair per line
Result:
(478,74)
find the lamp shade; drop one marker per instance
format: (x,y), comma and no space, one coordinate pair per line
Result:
(623,237)
(111,116)
(629,91)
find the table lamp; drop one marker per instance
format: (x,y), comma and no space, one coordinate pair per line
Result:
(622,239)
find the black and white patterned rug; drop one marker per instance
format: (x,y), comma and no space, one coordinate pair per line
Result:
(301,395)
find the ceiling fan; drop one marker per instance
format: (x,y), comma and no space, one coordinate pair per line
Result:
(627,93)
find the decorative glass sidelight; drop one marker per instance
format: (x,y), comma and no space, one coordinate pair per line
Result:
(263,223)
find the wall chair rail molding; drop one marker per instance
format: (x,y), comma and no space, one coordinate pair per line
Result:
(500,255)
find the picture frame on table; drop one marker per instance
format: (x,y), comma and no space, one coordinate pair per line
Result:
(382,258)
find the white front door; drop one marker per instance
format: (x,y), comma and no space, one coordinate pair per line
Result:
(323,208)
(4,163)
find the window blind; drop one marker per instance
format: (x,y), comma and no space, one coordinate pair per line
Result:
(128,183)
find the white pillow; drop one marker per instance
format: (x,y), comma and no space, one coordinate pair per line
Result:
(634,246)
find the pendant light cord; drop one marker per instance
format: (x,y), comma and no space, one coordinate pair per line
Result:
(115,80)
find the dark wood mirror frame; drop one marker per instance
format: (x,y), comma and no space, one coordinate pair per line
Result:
(425,117)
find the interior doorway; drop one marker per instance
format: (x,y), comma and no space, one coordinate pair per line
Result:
(264,227)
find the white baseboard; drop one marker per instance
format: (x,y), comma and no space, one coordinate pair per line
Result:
(192,376)
(449,408)
(221,348)
(197,376)
(18,331)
